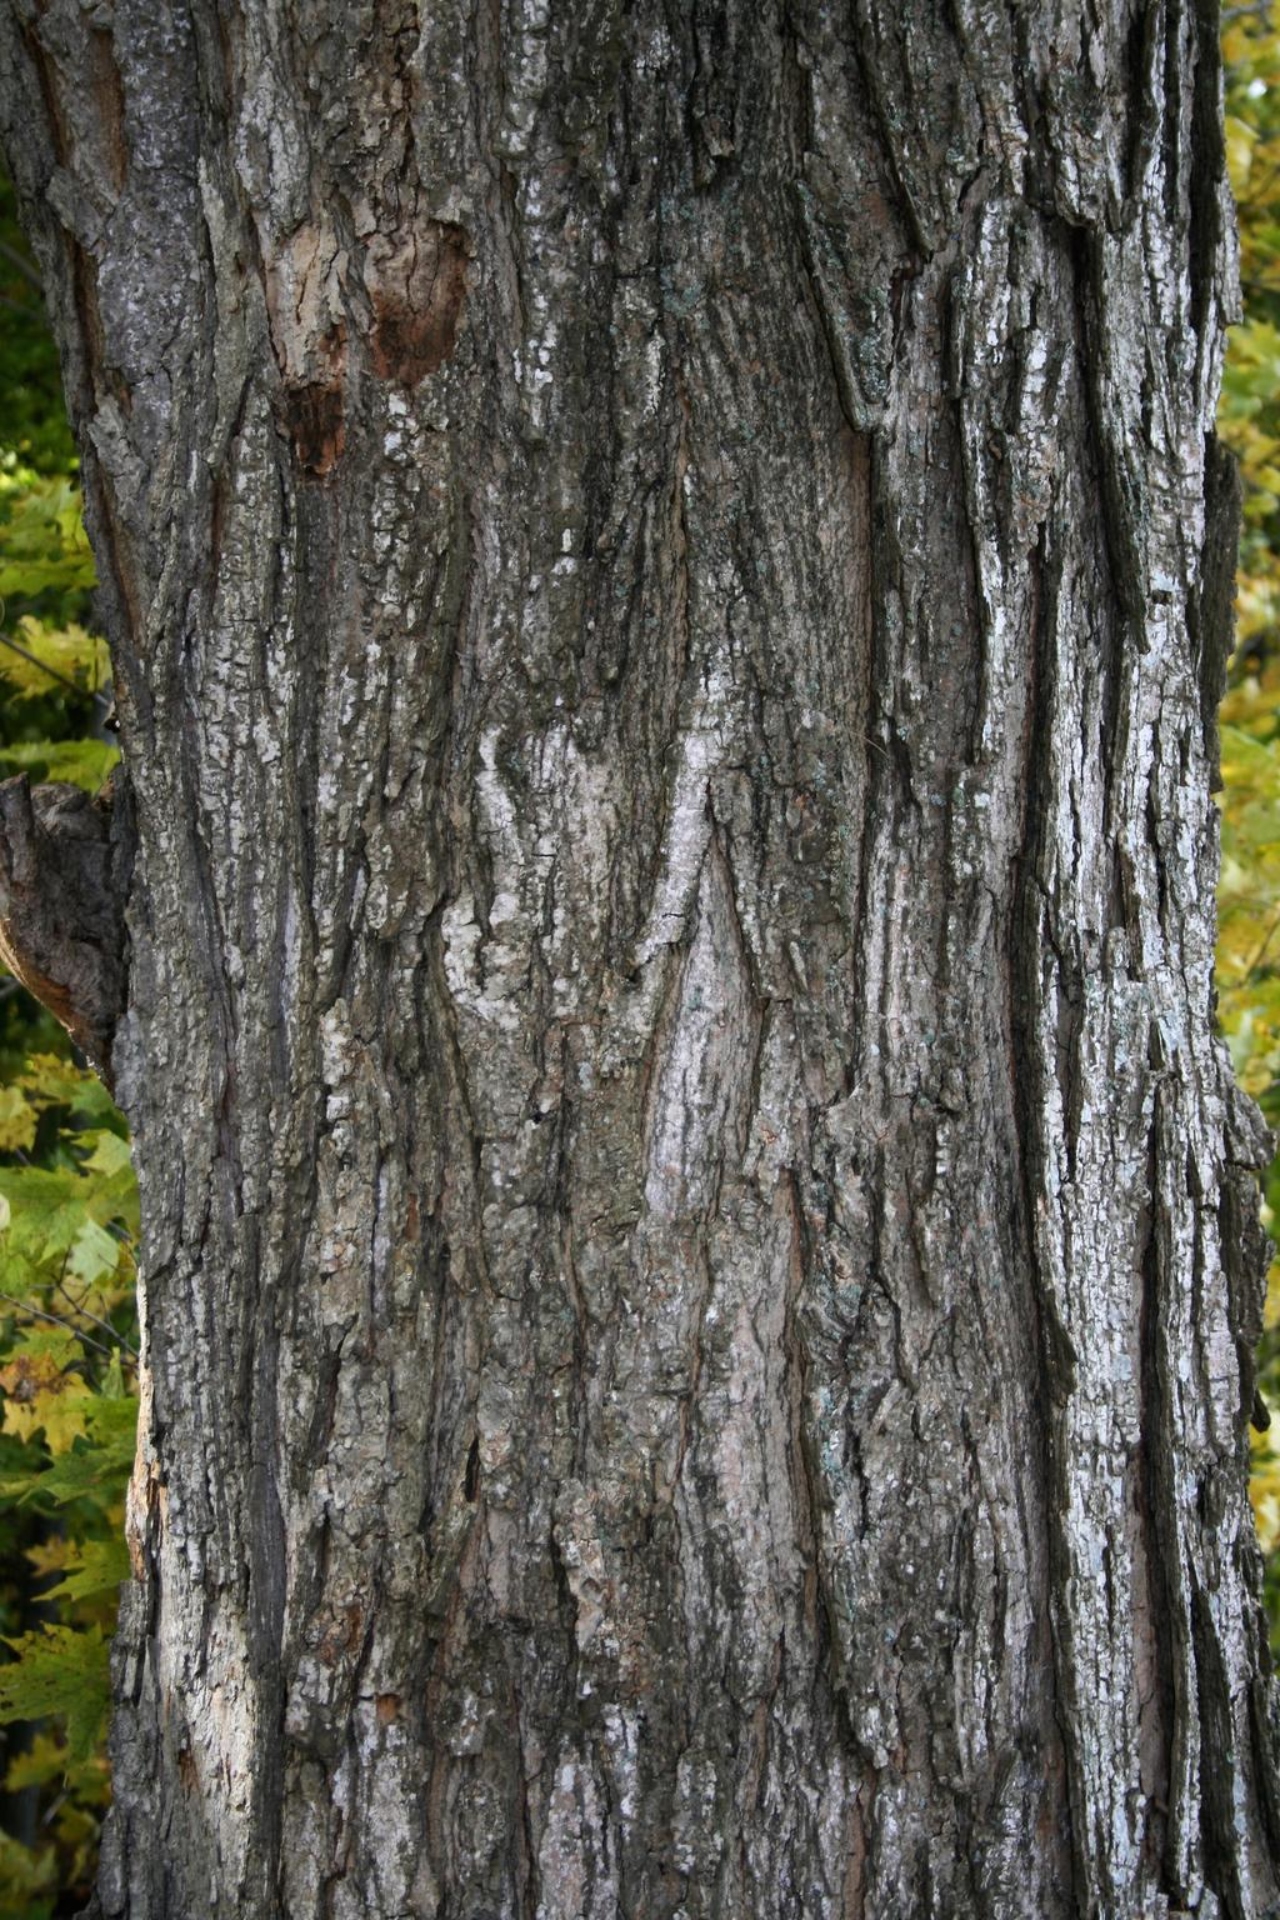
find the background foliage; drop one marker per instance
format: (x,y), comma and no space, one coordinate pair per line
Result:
(68,1206)
(1249,894)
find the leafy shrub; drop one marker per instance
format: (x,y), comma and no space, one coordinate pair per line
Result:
(68,1202)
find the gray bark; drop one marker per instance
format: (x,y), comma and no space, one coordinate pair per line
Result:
(64,882)
(666,577)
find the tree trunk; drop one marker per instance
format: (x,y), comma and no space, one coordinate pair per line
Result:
(669,576)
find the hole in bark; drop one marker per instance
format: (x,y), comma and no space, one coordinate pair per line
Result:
(471,1484)
(313,416)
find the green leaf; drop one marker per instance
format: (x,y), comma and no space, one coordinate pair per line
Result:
(51,1081)
(82,763)
(43,545)
(96,1466)
(113,1422)
(90,1471)
(93,1567)
(94,1254)
(48,1350)
(24,1876)
(63,1671)
(47,1209)
(110,1154)
(45,1393)
(46,1762)
(18,1121)
(71,652)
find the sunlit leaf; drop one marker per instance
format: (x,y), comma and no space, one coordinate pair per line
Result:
(98,1566)
(18,1121)
(81,763)
(70,653)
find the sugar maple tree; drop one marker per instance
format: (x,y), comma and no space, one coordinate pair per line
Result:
(67,1205)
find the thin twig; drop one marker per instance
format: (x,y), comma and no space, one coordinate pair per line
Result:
(27,268)
(30,658)
(97,1319)
(26,308)
(1261,954)
(58,1320)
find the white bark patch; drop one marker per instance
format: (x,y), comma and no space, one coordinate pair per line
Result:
(697,1113)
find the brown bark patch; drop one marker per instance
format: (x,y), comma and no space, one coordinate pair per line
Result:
(417,285)
(314,416)
(855,1884)
(388,1708)
(108,95)
(343,1637)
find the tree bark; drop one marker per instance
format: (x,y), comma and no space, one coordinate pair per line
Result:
(668,575)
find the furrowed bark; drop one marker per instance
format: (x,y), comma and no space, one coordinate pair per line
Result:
(700,1254)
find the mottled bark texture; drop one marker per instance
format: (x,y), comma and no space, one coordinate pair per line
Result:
(668,573)
(65,858)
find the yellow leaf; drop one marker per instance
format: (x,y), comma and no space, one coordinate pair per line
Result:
(17,1121)
(59,1410)
(42,1390)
